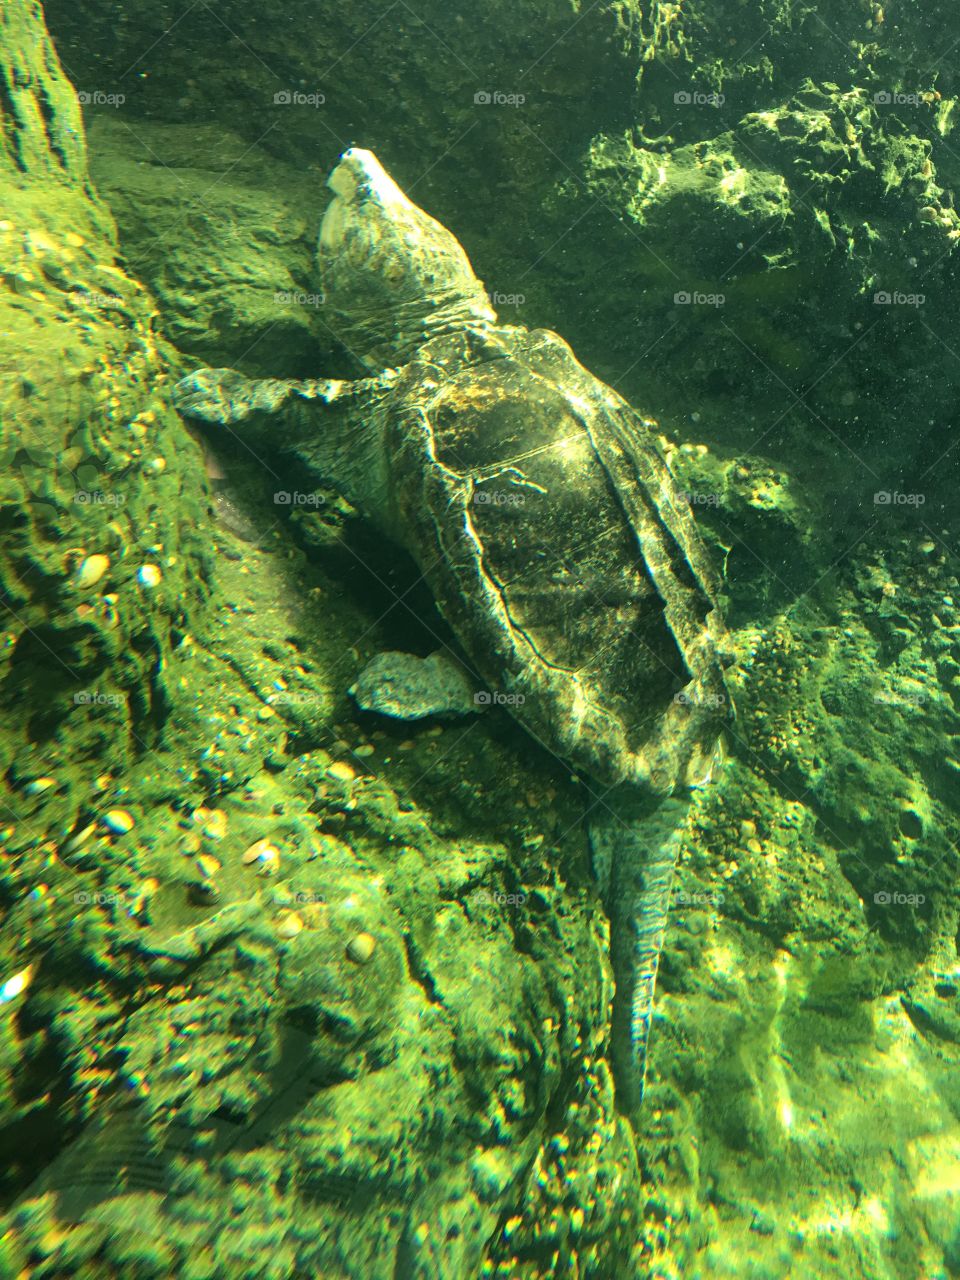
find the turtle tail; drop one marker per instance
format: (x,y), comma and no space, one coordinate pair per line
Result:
(641,849)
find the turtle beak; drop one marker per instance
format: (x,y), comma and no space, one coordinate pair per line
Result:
(358,179)
(360,171)
(390,271)
(343,179)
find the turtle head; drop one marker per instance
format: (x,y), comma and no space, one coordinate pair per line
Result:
(392,276)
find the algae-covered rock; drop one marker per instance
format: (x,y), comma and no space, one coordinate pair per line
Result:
(443,1103)
(222,233)
(102,564)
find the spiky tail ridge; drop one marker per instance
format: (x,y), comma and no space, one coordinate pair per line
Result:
(642,849)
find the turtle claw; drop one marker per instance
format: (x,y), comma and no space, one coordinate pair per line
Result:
(225,396)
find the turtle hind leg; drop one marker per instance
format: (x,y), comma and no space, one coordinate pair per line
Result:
(642,848)
(225,396)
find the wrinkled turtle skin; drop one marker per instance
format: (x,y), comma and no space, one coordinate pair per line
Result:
(543,517)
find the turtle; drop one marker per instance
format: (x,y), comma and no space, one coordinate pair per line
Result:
(538,506)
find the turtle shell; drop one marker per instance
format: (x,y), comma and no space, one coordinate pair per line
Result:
(546,522)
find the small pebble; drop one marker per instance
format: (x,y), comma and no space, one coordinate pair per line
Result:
(215,824)
(361,947)
(39,785)
(265,854)
(208,866)
(77,841)
(269,863)
(16,985)
(91,571)
(148,575)
(341,770)
(366,750)
(143,896)
(290,925)
(118,821)
(255,851)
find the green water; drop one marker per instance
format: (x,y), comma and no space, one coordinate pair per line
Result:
(290,987)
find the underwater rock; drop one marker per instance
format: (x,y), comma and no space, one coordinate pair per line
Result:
(406,687)
(361,947)
(82,409)
(255,292)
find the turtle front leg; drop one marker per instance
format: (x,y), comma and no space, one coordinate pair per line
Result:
(225,396)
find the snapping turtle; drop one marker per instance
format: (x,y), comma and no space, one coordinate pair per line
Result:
(543,517)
